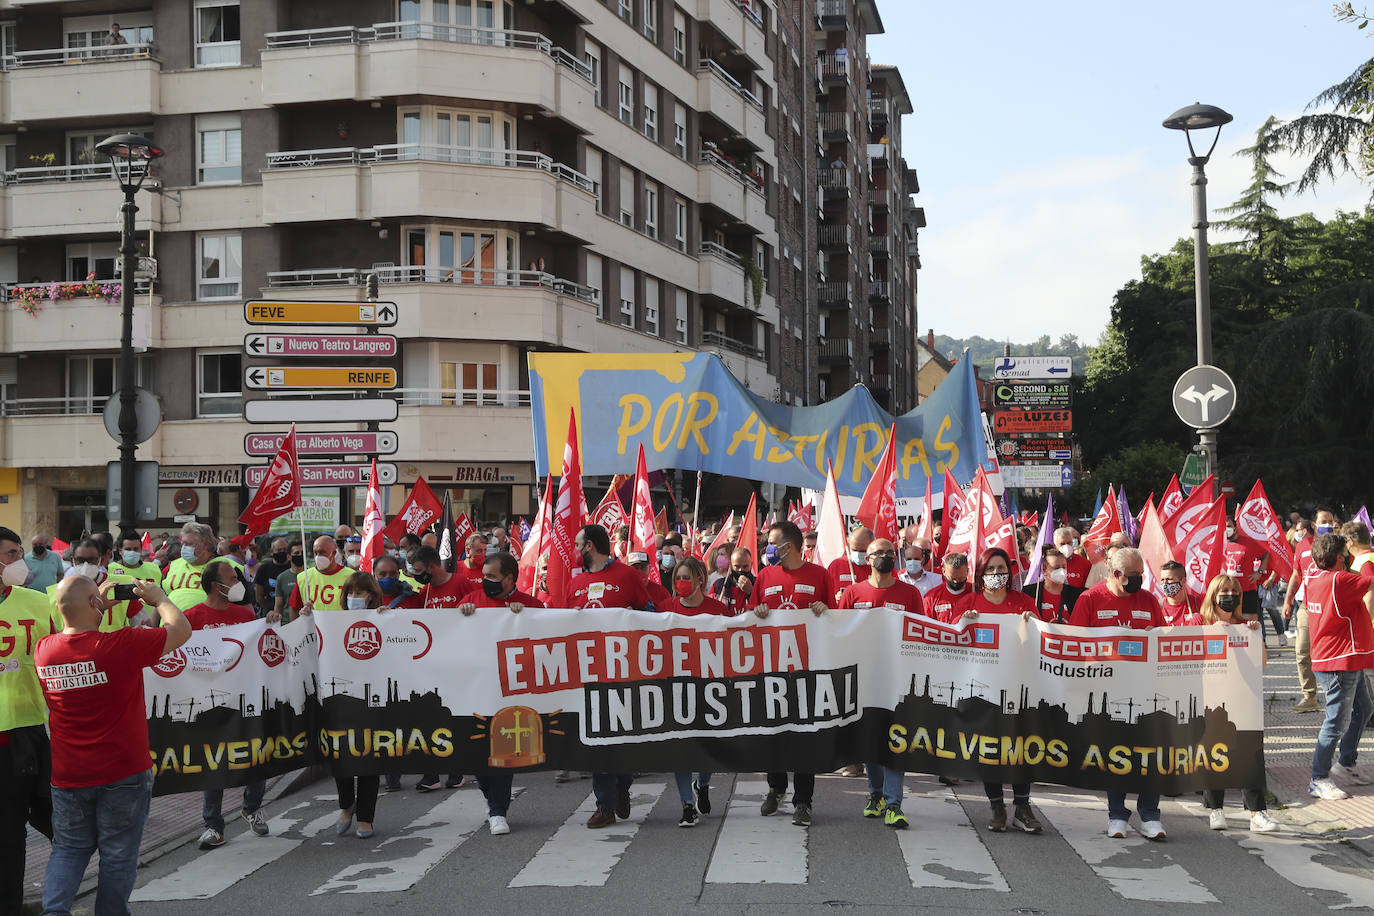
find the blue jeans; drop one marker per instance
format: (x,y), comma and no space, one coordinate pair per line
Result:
(886,782)
(607,786)
(684,786)
(212,803)
(1147,806)
(109,818)
(1347,711)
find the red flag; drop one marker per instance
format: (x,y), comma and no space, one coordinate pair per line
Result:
(147,543)
(770,521)
(61,546)
(417,513)
(463,529)
(1178,523)
(878,507)
(1140,516)
(1156,548)
(749,534)
(722,537)
(610,514)
(1171,500)
(1204,550)
(1107,523)
(802,516)
(372,522)
(927,529)
(954,501)
(642,531)
(568,513)
(660,520)
(534,545)
(1258,523)
(976,519)
(278,494)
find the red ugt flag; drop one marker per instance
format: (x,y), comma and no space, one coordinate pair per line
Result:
(569,511)
(953,500)
(418,513)
(642,523)
(1258,523)
(878,508)
(278,494)
(1107,523)
(372,522)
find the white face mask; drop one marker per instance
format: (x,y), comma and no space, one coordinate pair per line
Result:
(16,573)
(354,560)
(89,570)
(131,557)
(357,602)
(858,558)
(1059,576)
(323,562)
(235,593)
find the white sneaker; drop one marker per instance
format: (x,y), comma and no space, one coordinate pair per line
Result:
(1326,789)
(210,839)
(1153,830)
(1117,829)
(1261,822)
(1216,819)
(1283,640)
(498,825)
(1350,773)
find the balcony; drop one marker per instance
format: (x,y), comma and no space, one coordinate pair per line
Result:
(411,179)
(833,67)
(746,362)
(877,155)
(69,200)
(877,109)
(413,59)
(880,336)
(835,238)
(833,294)
(832,13)
(715,339)
(100,82)
(879,289)
(879,198)
(837,349)
(834,181)
(879,244)
(74,315)
(721,274)
(725,186)
(724,98)
(739,22)
(834,125)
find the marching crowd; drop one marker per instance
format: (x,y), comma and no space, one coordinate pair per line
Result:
(79,629)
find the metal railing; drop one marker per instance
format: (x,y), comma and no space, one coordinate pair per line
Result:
(57,57)
(877,106)
(713,158)
(832,178)
(706,65)
(430,152)
(753,15)
(879,243)
(837,348)
(831,236)
(828,8)
(309,158)
(720,251)
(834,291)
(314,38)
(833,65)
(734,345)
(434,274)
(878,289)
(47,174)
(461,397)
(53,407)
(834,121)
(10,292)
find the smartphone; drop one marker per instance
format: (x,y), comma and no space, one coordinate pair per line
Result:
(124,592)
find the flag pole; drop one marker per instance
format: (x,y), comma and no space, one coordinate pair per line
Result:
(696,507)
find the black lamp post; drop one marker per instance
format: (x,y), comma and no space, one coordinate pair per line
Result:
(1201,117)
(129,155)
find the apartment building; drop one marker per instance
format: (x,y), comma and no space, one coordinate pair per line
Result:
(584,175)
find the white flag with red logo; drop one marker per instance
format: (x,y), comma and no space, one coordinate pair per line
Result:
(568,513)
(878,507)
(801,516)
(372,522)
(926,530)
(1181,521)
(1171,500)
(278,494)
(643,534)
(953,500)
(1204,548)
(1107,523)
(536,542)
(722,537)
(1258,523)
(831,540)
(978,518)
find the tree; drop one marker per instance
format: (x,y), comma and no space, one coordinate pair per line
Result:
(1340,140)
(1253,214)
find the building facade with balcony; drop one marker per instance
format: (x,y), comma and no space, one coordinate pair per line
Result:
(575,175)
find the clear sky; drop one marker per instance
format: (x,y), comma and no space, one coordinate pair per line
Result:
(1045,171)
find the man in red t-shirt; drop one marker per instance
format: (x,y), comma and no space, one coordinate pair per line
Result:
(1248,564)
(1179,608)
(101,779)
(474,556)
(1120,601)
(853,567)
(1078,566)
(946,601)
(1303,567)
(606,582)
(225,587)
(439,587)
(1342,649)
(638,560)
(788,581)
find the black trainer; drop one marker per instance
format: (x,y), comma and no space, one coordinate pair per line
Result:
(703,797)
(689,816)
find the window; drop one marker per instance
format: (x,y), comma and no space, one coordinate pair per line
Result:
(627,196)
(469,383)
(219,375)
(651,20)
(81,144)
(627,95)
(7,148)
(457,254)
(217,33)
(93,380)
(219,149)
(651,305)
(92,259)
(651,111)
(679,37)
(591,55)
(595,282)
(681,311)
(627,296)
(627,10)
(651,209)
(680,224)
(89,36)
(220,267)
(680,130)
(595,174)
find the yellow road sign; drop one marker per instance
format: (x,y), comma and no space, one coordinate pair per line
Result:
(375,314)
(358,378)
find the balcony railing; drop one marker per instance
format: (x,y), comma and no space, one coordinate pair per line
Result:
(428,152)
(431,31)
(837,348)
(725,342)
(878,289)
(834,121)
(57,57)
(836,291)
(48,174)
(879,243)
(882,381)
(753,182)
(833,65)
(833,178)
(428,273)
(720,251)
(461,397)
(828,8)
(835,236)
(748,8)
(109,290)
(877,107)
(709,66)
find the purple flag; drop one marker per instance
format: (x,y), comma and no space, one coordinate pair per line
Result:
(1046,539)
(1363,516)
(1128,522)
(1003,505)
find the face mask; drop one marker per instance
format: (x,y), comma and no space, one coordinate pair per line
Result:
(39,550)
(913,567)
(1059,576)
(1171,589)
(235,593)
(884,565)
(492,588)
(666,561)
(421,577)
(188,553)
(1325,529)
(1228,603)
(388,583)
(1132,584)
(357,602)
(1230,532)
(323,562)
(722,562)
(16,573)
(995,581)
(857,558)
(683,587)
(131,557)
(88,569)
(281,558)
(953,587)
(297,559)
(772,555)
(354,560)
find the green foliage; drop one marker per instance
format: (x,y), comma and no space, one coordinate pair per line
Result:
(1141,469)
(1337,141)
(985,351)
(754,274)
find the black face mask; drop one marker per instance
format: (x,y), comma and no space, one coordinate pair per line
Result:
(297,559)
(953,587)
(281,558)
(1228,603)
(883,565)
(421,577)
(493,587)
(39,550)
(1132,584)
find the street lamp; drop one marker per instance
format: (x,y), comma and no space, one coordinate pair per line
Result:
(129,156)
(1201,117)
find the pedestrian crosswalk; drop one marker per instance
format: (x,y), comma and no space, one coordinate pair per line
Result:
(946,850)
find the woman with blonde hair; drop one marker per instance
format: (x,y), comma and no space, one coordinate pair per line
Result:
(1222,606)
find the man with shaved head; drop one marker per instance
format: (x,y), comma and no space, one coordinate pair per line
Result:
(101,780)
(845,571)
(322,588)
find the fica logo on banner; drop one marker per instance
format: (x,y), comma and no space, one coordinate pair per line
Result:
(197,656)
(684,683)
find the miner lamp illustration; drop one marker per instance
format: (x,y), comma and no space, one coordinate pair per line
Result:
(516,736)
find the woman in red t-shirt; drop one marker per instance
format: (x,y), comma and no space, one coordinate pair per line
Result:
(994,596)
(690,598)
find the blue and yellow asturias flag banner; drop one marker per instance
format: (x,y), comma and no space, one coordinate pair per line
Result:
(689,412)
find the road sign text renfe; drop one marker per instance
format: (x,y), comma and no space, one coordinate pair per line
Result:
(376,314)
(380,346)
(1032,421)
(315,377)
(328,475)
(323,443)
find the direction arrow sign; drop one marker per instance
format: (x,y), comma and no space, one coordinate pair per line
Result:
(1033,394)
(1204,397)
(1033,367)
(320,410)
(1037,475)
(1032,421)
(382,346)
(357,378)
(328,475)
(323,443)
(375,314)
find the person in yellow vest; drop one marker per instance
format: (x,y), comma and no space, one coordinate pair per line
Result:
(86,556)
(132,564)
(324,584)
(182,580)
(25,759)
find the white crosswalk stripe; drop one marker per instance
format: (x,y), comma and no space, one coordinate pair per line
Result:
(752,849)
(942,848)
(577,857)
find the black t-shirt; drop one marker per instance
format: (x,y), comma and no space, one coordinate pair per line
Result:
(266,577)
